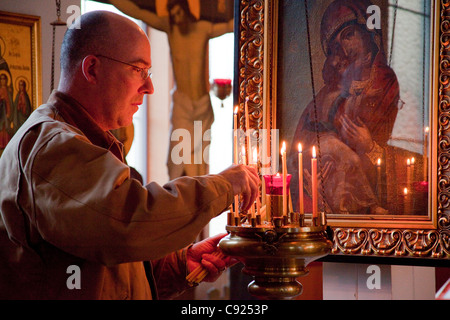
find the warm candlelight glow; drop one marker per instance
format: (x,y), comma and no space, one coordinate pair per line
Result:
(412,160)
(283,148)
(299,147)
(408,162)
(314,152)
(406,208)
(379,162)
(236,110)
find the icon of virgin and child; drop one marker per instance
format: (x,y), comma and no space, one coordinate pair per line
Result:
(353,113)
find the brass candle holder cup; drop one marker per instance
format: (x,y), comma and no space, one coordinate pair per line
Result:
(277,249)
(276,257)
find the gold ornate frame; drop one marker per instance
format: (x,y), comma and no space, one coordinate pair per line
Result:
(415,241)
(23,55)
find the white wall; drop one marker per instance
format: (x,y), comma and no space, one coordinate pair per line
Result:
(345,281)
(158,116)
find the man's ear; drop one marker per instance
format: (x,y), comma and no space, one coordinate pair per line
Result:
(89,67)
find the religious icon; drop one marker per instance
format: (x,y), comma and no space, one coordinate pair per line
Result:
(352,115)
(22,103)
(19,72)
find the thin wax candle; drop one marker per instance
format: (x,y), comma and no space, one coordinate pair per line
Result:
(284,172)
(315,213)
(300,179)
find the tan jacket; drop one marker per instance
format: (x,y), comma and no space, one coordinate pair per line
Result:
(66,198)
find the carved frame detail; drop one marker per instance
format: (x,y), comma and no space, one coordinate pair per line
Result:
(255,72)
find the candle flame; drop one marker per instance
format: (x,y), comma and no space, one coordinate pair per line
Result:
(408,162)
(379,162)
(405,191)
(314,152)
(413,160)
(299,147)
(283,148)
(427,129)
(236,110)
(278,174)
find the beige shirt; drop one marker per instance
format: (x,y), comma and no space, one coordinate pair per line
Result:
(67,199)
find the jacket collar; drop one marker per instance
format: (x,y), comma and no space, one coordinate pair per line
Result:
(76,115)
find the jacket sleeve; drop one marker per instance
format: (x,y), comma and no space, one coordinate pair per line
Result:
(170,275)
(85,203)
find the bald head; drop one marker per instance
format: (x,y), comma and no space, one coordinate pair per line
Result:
(100,32)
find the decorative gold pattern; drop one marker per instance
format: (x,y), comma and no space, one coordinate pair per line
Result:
(251,39)
(408,242)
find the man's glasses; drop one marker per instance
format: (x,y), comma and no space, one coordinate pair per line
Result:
(145,72)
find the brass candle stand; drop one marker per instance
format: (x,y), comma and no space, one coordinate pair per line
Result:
(276,252)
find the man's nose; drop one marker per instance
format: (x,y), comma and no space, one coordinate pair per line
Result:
(148,88)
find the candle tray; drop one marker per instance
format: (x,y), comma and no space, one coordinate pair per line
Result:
(276,253)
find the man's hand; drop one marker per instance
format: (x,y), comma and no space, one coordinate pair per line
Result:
(201,253)
(245,181)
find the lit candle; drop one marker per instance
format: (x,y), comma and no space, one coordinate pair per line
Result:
(379,178)
(255,157)
(408,174)
(413,178)
(425,154)
(314,183)
(284,169)
(255,164)
(300,178)
(406,201)
(235,158)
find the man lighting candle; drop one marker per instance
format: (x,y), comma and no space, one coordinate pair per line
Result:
(67,196)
